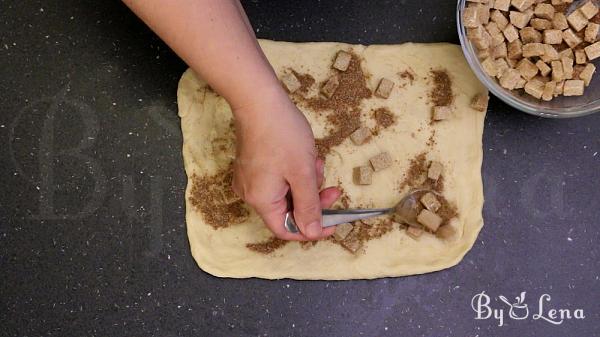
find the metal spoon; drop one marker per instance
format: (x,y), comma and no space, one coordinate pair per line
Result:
(406,210)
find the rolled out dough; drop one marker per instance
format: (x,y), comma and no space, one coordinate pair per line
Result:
(205,122)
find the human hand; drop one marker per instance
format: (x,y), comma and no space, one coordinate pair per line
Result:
(275,155)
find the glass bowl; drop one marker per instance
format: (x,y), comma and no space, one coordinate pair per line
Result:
(559,107)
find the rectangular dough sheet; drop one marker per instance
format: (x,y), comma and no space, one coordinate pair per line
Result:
(205,119)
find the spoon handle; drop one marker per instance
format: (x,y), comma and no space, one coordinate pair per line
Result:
(332,217)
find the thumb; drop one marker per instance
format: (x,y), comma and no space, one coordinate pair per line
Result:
(307,204)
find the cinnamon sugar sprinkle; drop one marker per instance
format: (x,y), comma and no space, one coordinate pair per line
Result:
(363,231)
(213,197)
(306,82)
(268,246)
(441,93)
(343,107)
(383,118)
(407,76)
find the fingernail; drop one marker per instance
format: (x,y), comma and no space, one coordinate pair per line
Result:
(314,229)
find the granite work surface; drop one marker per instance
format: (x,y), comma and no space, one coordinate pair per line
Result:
(92,230)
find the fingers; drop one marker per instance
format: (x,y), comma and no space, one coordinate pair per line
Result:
(320,166)
(328,196)
(274,216)
(266,195)
(307,204)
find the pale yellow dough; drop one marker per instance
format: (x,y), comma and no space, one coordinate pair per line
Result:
(205,119)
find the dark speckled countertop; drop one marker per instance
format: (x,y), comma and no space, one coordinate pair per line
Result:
(92,230)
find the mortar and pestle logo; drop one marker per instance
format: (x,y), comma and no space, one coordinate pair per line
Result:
(519,309)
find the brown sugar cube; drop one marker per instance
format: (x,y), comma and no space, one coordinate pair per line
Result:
(290,82)
(530,35)
(342,60)
(577,70)
(362,175)
(502,5)
(484,13)
(471,17)
(527,69)
(530,14)
(510,78)
(573,88)
(513,62)
(591,32)
(560,21)
(543,68)
(510,33)
(497,39)
(553,36)
(567,52)
(361,135)
(521,83)
(445,232)
(430,202)
(483,54)
(567,64)
(548,92)
(535,88)
(559,88)
(544,11)
(589,10)
(381,161)
(550,54)
(571,38)
(480,102)
(522,5)
(499,18)
(515,50)
(492,28)
(489,67)
(495,33)
(414,232)
(580,57)
(593,51)
(353,244)
(540,24)
(384,89)
(429,219)
(329,88)
(435,170)
(518,19)
(441,112)
(543,79)
(342,231)
(577,20)
(587,73)
(557,71)
(533,49)
(499,51)
(502,66)
(480,38)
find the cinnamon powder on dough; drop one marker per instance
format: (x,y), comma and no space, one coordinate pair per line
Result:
(441,93)
(213,197)
(268,246)
(343,107)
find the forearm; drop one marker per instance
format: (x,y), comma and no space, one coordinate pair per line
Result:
(215,39)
